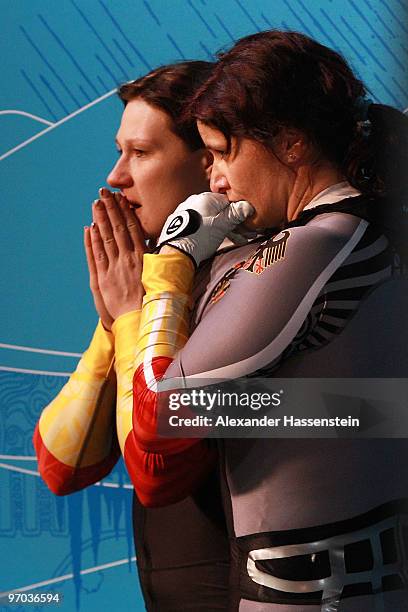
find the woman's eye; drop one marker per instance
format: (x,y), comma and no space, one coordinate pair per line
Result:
(139,152)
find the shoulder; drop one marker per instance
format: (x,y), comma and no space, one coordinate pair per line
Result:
(330,226)
(322,238)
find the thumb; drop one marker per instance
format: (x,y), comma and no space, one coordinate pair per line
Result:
(237,212)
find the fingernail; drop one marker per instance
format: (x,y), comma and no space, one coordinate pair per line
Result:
(93,226)
(103,192)
(98,204)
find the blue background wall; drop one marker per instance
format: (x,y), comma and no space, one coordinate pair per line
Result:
(61,61)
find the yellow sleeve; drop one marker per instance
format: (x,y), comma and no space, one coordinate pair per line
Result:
(164,277)
(164,326)
(163,470)
(78,427)
(158,331)
(125,330)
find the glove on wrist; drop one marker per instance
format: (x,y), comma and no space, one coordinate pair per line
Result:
(199,224)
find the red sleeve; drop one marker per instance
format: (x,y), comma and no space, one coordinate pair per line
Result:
(63,479)
(163,470)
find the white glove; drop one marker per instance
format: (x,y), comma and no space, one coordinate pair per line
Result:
(199,224)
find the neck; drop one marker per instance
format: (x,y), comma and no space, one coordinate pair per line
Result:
(309,181)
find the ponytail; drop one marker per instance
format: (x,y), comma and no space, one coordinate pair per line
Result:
(377,165)
(377,160)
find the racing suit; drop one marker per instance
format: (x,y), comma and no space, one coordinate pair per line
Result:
(264,305)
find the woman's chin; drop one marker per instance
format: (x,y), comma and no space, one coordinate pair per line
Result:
(254,223)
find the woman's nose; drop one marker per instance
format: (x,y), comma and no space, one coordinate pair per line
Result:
(218,181)
(119,176)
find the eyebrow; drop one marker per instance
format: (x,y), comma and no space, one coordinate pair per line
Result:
(217,146)
(136,142)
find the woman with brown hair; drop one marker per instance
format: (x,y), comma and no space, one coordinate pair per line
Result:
(314,524)
(79,436)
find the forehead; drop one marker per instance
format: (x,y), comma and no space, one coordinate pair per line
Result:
(212,137)
(142,121)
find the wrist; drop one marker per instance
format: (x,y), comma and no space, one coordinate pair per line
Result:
(126,332)
(106,326)
(172,272)
(168,250)
(125,309)
(100,353)
(124,322)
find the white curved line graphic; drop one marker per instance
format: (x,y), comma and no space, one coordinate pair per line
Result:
(57,124)
(90,570)
(113,485)
(39,372)
(30,349)
(18,457)
(15,468)
(18,112)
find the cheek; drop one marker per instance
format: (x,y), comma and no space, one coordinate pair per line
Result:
(163,192)
(246,185)
(264,183)
(144,176)
(243,178)
(154,187)
(180,181)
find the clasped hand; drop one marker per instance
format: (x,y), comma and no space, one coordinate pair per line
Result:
(114,247)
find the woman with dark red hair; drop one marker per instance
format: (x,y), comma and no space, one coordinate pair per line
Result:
(304,159)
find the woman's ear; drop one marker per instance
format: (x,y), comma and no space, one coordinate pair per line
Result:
(293,146)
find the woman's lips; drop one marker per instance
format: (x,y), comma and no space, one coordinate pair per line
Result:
(131,204)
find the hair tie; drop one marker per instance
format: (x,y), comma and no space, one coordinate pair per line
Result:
(361,105)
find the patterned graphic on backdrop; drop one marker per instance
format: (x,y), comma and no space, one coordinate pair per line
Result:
(81,528)
(58,114)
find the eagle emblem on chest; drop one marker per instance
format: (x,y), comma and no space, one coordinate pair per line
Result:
(266,255)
